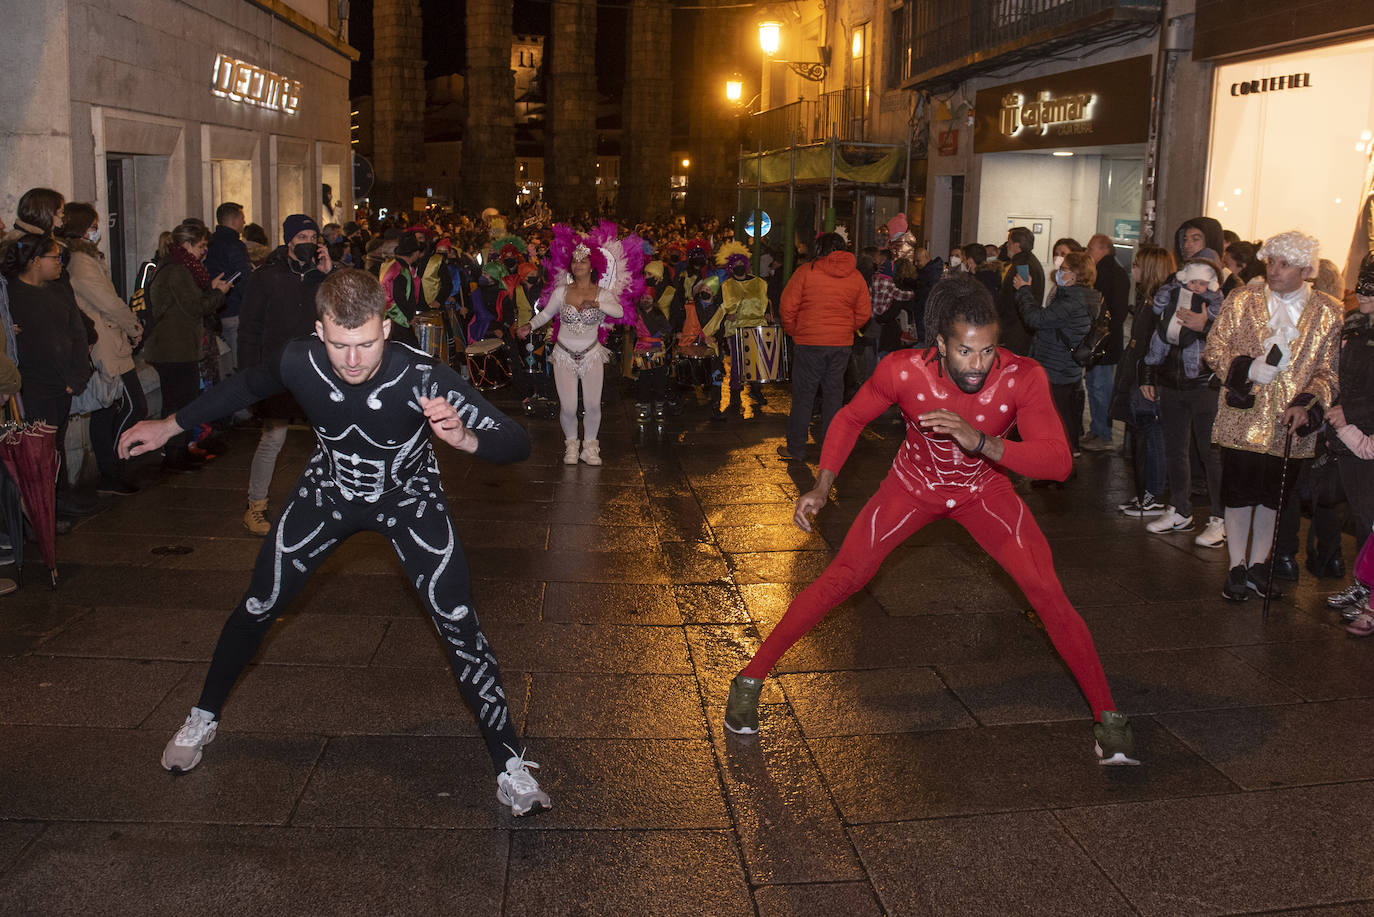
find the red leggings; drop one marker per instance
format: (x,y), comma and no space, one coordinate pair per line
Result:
(998,520)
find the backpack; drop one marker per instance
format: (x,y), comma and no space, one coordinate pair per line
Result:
(138,303)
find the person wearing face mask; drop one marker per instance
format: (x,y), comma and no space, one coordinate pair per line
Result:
(181,294)
(1058,328)
(1276,344)
(278,306)
(117,333)
(743,307)
(404,289)
(52,349)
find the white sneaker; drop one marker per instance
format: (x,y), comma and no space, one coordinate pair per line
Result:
(518,789)
(1171,521)
(1214,535)
(183,752)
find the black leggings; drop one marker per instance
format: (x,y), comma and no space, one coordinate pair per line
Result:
(312,524)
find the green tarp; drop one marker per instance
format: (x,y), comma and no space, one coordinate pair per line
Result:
(813,163)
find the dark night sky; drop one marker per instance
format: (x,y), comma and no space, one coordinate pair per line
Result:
(445,36)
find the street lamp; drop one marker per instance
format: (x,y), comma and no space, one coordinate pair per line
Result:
(734,88)
(770,36)
(770,40)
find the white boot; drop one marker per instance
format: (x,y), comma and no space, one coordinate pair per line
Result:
(570,451)
(591,452)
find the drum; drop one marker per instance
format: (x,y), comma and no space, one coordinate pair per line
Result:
(430,335)
(761,352)
(693,365)
(649,359)
(488,363)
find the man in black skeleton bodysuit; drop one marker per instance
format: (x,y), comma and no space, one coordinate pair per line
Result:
(371,401)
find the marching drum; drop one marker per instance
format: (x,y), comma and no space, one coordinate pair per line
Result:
(761,351)
(488,363)
(692,365)
(430,334)
(649,359)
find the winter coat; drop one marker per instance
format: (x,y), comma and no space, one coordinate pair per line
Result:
(1128,370)
(1115,286)
(178,308)
(826,302)
(1178,365)
(228,255)
(53,351)
(1356,372)
(1015,333)
(1058,327)
(115,324)
(278,306)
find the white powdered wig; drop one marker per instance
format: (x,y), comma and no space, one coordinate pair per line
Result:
(1297,248)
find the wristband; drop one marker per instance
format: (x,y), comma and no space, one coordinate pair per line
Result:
(982,441)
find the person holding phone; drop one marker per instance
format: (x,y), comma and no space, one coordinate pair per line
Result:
(228,255)
(180,296)
(278,306)
(1022,264)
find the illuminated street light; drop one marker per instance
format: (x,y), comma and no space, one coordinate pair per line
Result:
(770,36)
(734,88)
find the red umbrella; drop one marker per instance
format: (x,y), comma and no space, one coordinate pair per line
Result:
(29,452)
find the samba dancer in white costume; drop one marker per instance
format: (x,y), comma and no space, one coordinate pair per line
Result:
(582,301)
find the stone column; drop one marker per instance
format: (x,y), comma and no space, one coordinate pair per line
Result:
(570,113)
(398,89)
(715,130)
(646,135)
(488,176)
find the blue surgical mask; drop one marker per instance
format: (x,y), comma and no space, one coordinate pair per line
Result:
(1061,278)
(93,237)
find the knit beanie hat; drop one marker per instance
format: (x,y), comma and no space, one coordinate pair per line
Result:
(296,222)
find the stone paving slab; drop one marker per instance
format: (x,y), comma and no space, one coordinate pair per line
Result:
(999,769)
(626,872)
(900,699)
(1234,853)
(820,899)
(62,691)
(112,870)
(787,824)
(1317,670)
(1262,747)
(985,866)
(614,706)
(335,700)
(255,778)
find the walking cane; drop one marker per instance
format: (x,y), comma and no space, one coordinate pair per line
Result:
(1278,514)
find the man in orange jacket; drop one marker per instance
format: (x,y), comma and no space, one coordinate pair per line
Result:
(823,306)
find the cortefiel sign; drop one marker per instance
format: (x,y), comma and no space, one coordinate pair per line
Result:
(240,81)
(1093,106)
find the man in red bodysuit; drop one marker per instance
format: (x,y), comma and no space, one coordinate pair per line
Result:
(960,399)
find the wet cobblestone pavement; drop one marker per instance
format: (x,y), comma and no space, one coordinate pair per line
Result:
(923,751)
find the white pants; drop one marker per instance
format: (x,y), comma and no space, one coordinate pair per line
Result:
(566,378)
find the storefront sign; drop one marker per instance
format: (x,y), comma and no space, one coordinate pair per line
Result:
(1272,84)
(241,81)
(1045,112)
(1093,106)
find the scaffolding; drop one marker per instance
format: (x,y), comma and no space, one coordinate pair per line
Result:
(828,169)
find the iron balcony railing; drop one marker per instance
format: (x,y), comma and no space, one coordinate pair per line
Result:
(842,114)
(939,37)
